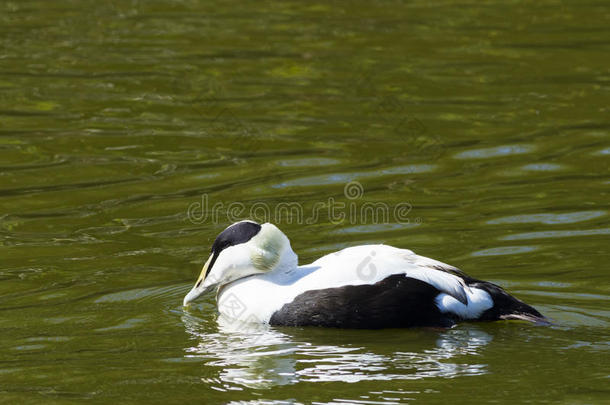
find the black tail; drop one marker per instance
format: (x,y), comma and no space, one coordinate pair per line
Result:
(506,306)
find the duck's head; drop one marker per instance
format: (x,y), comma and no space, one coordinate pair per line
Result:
(243,249)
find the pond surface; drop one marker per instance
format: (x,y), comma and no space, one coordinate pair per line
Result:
(132,132)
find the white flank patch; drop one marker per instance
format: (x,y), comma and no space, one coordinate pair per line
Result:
(478,302)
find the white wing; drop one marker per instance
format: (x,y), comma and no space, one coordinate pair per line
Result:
(369,264)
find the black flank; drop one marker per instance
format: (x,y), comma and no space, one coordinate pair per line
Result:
(394,302)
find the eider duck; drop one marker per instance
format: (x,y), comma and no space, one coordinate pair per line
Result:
(258,279)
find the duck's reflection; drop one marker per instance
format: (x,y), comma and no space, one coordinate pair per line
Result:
(258,356)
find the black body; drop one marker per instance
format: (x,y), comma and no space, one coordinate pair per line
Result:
(394,302)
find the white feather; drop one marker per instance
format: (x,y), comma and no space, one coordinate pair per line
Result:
(478,302)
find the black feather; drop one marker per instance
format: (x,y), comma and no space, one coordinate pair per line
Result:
(505,305)
(394,302)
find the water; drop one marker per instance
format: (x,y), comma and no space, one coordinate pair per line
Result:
(480,131)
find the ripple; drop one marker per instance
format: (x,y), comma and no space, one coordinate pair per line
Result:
(337,178)
(128,324)
(30,347)
(64,187)
(56,160)
(308,162)
(549,219)
(505,150)
(48,339)
(47,239)
(556,234)
(504,250)
(140,294)
(563,295)
(372,228)
(575,316)
(542,167)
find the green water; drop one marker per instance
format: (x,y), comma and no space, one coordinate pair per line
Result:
(481,130)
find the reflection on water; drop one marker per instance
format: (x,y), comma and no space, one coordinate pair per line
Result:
(259,356)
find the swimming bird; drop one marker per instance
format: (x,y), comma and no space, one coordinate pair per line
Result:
(257,278)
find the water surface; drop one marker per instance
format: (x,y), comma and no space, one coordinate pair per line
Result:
(131,133)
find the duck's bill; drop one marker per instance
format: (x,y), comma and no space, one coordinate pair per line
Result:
(201,286)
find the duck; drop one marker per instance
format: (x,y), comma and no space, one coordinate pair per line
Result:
(257,279)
